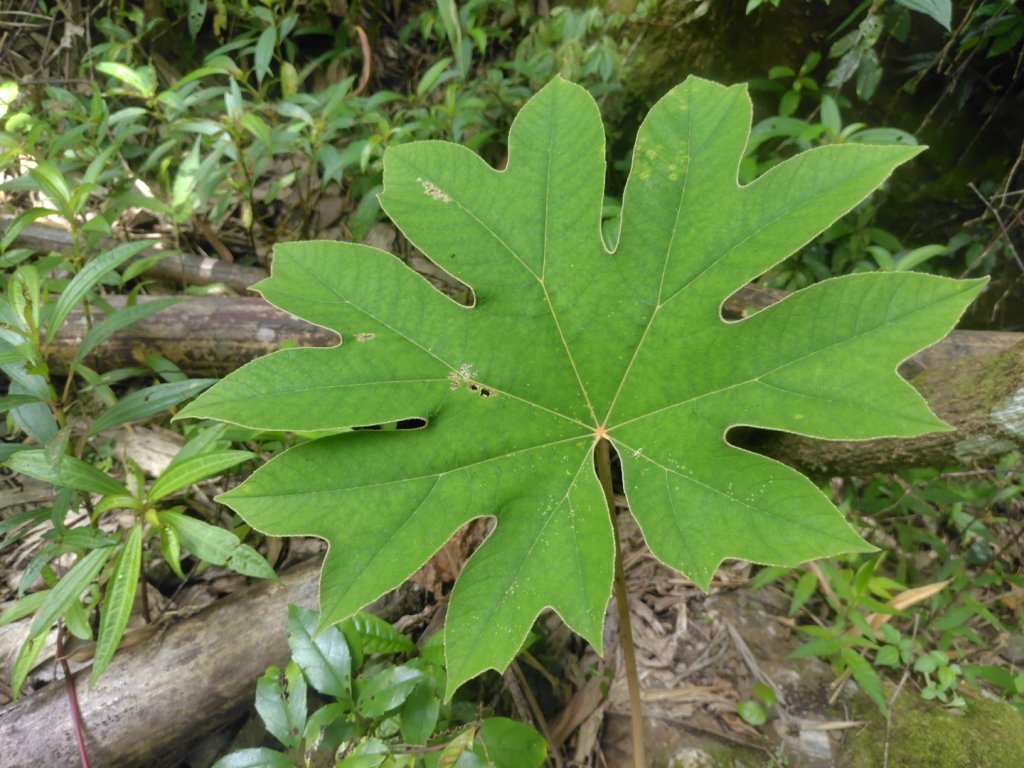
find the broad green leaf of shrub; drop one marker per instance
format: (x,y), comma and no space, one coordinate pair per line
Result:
(568,343)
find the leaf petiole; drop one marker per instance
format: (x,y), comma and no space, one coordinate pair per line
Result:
(602,458)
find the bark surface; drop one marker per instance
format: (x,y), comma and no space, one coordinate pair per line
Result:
(175,267)
(191,676)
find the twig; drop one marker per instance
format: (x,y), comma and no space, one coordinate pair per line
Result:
(538,714)
(999,220)
(709,656)
(146,613)
(755,668)
(530,659)
(892,699)
(823,583)
(516,691)
(69,686)
(1013,172)
(42,16)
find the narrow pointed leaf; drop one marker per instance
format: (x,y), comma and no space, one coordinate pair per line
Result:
(25,660)
(69,473)
(68,590)
(181,474)
(210,543)
(53,184)
(118,601)
(148,402)
(248,562)
(107,327)
(205,541)
(170,548)
(87,279)
(19,222)
(23,606)
(141,79)
(566,344)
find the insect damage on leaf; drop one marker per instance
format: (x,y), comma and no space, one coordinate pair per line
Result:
(571,344)
(466,376)
(432,190)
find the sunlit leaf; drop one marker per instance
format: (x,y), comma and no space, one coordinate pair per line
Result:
(324,659)
(568,345)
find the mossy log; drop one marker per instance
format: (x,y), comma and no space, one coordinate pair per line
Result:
(191,676)
(980,395)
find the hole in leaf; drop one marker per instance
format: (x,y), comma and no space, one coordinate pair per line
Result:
(391,426)
(749,438)
(481,390)
(411,424)
(749,300)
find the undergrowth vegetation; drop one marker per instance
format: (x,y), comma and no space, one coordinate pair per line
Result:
(940,604)
(220,129)
(383,705)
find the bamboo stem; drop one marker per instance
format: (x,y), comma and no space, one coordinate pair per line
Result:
(604,474)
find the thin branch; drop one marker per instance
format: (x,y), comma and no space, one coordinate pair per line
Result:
(892,699)
(535,710)
(999,220)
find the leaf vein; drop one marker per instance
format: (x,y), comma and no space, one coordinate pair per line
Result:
(442,473)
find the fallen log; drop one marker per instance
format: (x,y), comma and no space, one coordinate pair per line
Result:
(214,335)
(202,335)
(974,380)
(175,267)
(981,395)
(188,678)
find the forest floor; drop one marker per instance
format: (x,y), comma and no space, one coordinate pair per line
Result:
(699,656)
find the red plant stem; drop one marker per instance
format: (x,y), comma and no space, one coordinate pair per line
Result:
(76,713)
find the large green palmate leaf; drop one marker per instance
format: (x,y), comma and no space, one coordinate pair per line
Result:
(567,343)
